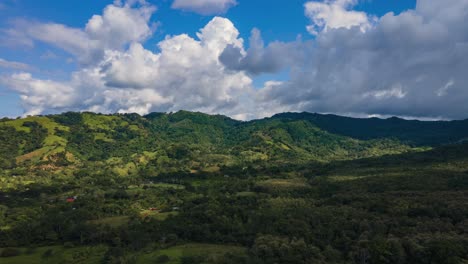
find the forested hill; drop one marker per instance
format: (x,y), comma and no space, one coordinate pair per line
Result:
(414,132)
(200,141)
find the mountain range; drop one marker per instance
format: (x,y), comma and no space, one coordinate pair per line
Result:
(205,141)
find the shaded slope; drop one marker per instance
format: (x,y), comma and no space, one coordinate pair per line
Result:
(429,133)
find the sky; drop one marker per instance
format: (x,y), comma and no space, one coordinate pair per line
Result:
(243,58)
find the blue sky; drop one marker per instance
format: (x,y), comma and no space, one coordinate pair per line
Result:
(50,65)
(279,20)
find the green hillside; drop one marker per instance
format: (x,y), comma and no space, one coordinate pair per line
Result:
(413,132)
(211,140)
(194,188)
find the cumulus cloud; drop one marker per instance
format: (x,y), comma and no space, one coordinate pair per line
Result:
(332,14)
(37,95)
(259,59)
(184,74)
(411,64)
(204,7)
(119,25)
(187,72)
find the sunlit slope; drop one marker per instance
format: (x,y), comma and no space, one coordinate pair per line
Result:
(210,141)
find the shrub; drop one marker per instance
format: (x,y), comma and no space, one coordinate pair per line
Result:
(68,245)
(9,252)
(48,253)
(30,251)
(192,259)
(163,259)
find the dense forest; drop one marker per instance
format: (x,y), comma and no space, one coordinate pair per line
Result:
(194,188)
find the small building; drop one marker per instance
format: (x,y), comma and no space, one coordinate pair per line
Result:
(71,199)
(153,209)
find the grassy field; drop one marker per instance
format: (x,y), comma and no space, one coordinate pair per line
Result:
(99,122)
(57,255)
(45,122)
(52,144)
(95,254)
(157,215)
(246,194)
(189,250)
(167,186)
(295,183)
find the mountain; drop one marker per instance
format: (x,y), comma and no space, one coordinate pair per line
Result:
(413,132)
(215,140)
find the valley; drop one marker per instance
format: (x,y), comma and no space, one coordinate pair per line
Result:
(193,188)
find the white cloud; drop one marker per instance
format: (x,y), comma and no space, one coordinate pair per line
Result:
(37,95)
(411,64)
(14,65)
(333,14)
(260,59)
(184,74)
(119,25)
(443,90)
(204,7)
(396,91)
(14,37)
(187,72)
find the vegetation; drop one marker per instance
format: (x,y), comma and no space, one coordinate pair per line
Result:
(192,188)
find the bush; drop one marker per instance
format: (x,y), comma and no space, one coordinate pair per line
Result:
(30,251)
(68,245)
(10,252)
(48,253)
(192,259)
(163,259)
